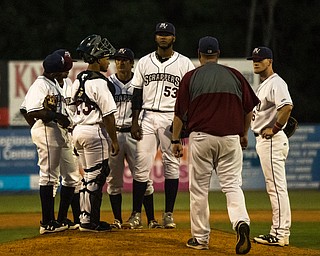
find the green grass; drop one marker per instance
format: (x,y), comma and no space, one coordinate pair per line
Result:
(255,200)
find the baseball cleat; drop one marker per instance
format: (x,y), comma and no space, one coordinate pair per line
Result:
(271,240)
(154,224)
(70,224)
(243,245)
(52,227)
(134,222)
(194,244)
(91,227)
(167,220)
(116,224)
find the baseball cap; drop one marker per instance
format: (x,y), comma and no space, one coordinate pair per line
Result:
(165,27)
(55,63)
(208,45)
(67,58)
(261,53)
(124,53)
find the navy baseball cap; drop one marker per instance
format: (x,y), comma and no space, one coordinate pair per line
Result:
(261,53)
(124,53)
(55,63)
(208,45)
(165,27)
(67,57)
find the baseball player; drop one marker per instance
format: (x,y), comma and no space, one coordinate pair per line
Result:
(217,103)
(156,82)
(93,119)
(272,145)
(124,60)
(49,133)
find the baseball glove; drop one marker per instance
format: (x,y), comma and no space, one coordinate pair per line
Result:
(50,103)
(290,127)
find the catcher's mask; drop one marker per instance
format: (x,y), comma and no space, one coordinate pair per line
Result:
(94,47)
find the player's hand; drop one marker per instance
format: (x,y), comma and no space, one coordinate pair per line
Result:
(136,132)
(177,150)
(244,142)
(115,149)
(267,133)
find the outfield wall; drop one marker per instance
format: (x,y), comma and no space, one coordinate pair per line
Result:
(19,170)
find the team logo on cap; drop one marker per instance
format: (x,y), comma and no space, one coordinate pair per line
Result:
(256,50)
(122,51)
(163,25)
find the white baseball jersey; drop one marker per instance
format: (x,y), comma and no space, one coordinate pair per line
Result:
(123,95)
(273,94)
(160,81)
(98,92)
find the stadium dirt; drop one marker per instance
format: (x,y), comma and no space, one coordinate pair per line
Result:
(139,242)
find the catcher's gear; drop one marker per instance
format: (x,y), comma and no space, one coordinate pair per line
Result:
(50,103)
(94,47)
(290,127)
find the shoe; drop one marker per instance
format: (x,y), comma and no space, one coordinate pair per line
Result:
(91,227)
(134,222)
(243,245)
(52,227)
(154,224)
(167,220)
(270,240)
(116,224)
(71,225)
(193,243)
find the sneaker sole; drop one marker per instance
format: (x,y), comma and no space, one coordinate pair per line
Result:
(74,227)
(93,230)
(262,241)
(170,226)
(243,244)
(44,231)
(128,226)
(198,247)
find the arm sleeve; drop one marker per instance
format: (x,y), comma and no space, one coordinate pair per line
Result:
(136,100)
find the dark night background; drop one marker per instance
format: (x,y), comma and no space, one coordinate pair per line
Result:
(32,29)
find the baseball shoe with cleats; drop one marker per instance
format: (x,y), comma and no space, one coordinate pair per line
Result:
(154,224)
(70,224)
(134,222)
(271,240)
(52,227)
(167,220)
(243,245)
(91,227)
(116,224)
(194,244)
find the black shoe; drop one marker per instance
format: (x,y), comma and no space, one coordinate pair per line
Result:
(91,227)
(70,224)
(52,227)
(243,238)
(193,243)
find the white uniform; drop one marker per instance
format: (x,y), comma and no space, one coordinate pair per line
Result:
(160,84)
(90,141)
(273,94)
(127,145)
(52,141)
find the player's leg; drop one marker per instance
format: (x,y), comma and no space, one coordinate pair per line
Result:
(47,139)
(273,154)
(200,171)
(115,181)
(171,166)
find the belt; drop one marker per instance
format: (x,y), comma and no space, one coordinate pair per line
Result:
(157,110)
(123,129)
(256,134)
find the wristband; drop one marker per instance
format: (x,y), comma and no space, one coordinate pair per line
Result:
(277,127)
(175,142)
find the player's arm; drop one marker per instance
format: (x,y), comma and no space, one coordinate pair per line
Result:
(109,123)
(136,108)
(177,148)
(283,115)
(244,138)
(29,119)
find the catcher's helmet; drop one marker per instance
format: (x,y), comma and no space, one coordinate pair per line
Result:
(94,47)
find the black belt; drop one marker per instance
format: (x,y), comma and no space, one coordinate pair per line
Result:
(157,110)
(256,134)
(124,129)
